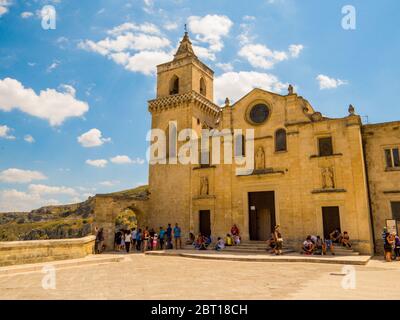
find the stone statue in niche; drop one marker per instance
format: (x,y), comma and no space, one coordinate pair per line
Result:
(328,181)
(260,159)
(204,188)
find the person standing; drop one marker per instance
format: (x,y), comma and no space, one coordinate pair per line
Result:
(128,238)
(169,236)
(134,232)
(177,236)
(152,233)
(139,240)
(100,241)
(146,237)
(161,235)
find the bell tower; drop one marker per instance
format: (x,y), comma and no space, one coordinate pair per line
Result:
(185,73)
(184,101)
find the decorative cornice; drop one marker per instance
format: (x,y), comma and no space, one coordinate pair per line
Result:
(177,100)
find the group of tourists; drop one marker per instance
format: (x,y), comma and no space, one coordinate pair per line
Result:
(391,245)
(202,241)
(148,239)
(315,245)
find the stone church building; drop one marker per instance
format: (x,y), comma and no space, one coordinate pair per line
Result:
(313,174)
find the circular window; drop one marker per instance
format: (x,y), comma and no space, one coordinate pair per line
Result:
(259,113)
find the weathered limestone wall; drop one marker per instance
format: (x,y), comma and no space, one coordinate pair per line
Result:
(21,252)
(384,183)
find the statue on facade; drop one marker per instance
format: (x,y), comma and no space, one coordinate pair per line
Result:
(260,159)
(351,110)
(328,181)
(204,189)
(290,89)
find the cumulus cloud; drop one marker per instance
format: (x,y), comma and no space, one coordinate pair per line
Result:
(225,66)
(170,26)
(13,201)
(42,189)
(14,175)
(139,48)
(92,138)
(236,84)
(326,82)
(4,5)
(210,29)
(260,56)
(5,133)
(295,50)
(28,138)
(123,159)
(49,104)
(146,61)
(99,163)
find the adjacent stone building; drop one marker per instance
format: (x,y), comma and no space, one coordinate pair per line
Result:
(312,174)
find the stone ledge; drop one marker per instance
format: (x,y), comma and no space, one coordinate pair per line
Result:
(45,243)
(328,190)
(328,156)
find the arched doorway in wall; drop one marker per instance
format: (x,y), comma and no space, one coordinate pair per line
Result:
(126,219)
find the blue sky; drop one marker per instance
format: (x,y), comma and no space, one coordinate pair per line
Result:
(77,94)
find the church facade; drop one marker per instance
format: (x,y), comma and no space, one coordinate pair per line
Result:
(312,174)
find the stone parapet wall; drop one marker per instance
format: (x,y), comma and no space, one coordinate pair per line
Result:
(22,252)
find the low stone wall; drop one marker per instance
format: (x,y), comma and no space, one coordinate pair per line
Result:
(21,252)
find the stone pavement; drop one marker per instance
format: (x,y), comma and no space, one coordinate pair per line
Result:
(139,276)
(263,257)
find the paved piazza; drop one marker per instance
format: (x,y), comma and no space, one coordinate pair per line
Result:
(152,277)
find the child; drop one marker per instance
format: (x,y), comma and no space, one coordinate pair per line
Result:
(155,241)
(220,244)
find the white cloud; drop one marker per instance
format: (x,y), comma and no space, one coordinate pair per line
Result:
(225,66)
(53,66)
(138,48)
(234,85)
(26,14)
(28,138)
(92,138)
(204,53)
(261,56)
(210,29)
(50,104)
(326,82)
(4,4)
(42,189)
(14,175)
(127,26)
(12,200)
(5,133)
(99,163)
(146,61)
(121,160)
(170,26)
(109,183)
(295,50)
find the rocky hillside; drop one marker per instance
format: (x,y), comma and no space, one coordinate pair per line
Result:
(57,222)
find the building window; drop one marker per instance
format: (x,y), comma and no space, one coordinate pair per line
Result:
(280,140)
(202,87)
(396,213)
(325,146)
(392,158)
(174,85)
